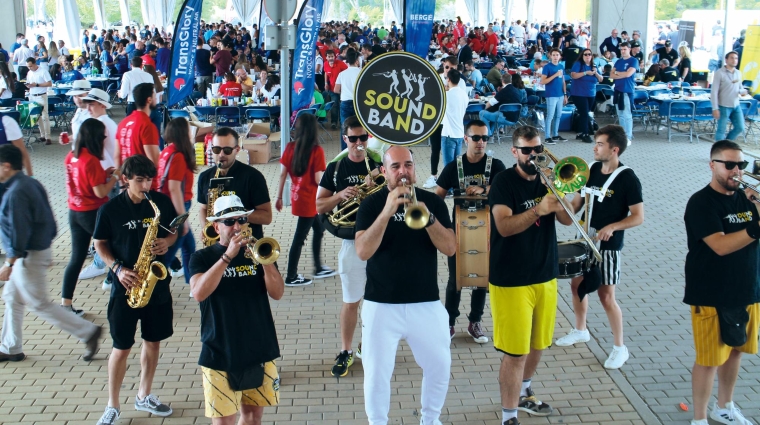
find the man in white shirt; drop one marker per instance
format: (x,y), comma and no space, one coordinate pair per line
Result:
(532,35)
(77,92)
(519,32)
(62,49)
(130,80)
(344,86)
(20,56)
(37,81)
(452,134)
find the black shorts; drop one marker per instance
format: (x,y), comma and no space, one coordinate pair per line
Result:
(155,322)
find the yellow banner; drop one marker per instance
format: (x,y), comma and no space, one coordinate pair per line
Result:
(750,65)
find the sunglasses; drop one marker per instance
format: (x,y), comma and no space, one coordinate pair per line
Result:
(478,138)
(227,150)
(354,139)
(587,54)
(730,165)
(526,150)
(229,222)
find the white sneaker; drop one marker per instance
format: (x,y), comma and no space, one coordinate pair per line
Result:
(575,336)
(728,415)
(106,285)
(617,359)
(178,273)
(92,271)
(699,422)
(430,183)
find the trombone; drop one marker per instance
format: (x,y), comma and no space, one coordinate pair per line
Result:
(570,175)
(748,185)
(416,216)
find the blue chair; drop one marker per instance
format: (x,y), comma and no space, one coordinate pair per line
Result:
(178,113)
(227,116)
(29,124)
(305,111)
(54,112)
(511,113)
(746,107)
(752,124)
(681,111)
(640,109)
(327,107)
(703,115)
(258,114)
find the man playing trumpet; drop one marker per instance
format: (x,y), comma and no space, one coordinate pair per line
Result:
(237,329)
(340,183)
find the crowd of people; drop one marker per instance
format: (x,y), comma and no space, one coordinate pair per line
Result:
(128,181)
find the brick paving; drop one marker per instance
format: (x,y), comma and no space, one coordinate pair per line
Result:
(54,386)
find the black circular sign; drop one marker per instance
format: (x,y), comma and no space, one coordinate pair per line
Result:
(399,98)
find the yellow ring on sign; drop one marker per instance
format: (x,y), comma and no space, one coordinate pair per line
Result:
(438,80)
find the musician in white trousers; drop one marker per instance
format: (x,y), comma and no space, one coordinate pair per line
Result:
(401,295)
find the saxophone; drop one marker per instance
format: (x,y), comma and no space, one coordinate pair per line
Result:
(209,235)
(149,272)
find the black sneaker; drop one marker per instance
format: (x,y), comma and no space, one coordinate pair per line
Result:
(342,363)
(587,139)
(325,272)
(11,357)
(549,141)
(334,127)
(511,421)
(298,281)
(579,136)
(532,406)
(91,346)
(559,139)
(71,308)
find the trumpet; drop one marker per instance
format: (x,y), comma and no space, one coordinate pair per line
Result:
(416,216)
(570,175)
(262,251)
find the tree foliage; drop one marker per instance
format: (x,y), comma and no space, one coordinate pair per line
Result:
(670,9)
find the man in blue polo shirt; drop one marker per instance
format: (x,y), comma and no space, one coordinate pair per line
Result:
(622,75)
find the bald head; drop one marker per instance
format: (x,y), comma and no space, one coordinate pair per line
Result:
(398,163)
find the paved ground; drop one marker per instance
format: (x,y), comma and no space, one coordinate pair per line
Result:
(54,386)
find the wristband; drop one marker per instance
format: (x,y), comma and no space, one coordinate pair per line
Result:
(753,230)
(535,212)
(115,262)
(226,258)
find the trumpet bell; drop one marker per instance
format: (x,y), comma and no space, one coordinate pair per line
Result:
(266,251)
(416,217)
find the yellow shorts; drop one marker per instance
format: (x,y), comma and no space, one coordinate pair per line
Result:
(711,351)
(222,401)
(523,317)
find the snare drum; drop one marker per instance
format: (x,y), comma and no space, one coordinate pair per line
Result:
(473,229)
(573,260)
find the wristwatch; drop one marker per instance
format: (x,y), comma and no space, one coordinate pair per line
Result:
(9,264)
(431,220)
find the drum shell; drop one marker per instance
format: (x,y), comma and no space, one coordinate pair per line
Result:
(573,260)
(473,231)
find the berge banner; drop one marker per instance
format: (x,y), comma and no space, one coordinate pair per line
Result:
(418,25)
(182,65)
(399,98)
(309,20)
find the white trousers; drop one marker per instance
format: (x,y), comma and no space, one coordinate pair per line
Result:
(27,286)
(425,328)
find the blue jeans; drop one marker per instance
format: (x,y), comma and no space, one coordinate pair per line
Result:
(157,118)
(625,117)
(493,120)
(346,111)
(451,147)
(737,120)
(553,111)
(187,243)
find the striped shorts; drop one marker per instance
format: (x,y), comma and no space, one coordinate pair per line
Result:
(221,400)
(609,267)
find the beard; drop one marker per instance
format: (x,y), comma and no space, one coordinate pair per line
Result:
(729,184)
(527,167)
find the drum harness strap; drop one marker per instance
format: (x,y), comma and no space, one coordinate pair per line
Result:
(600,194)
(486,174)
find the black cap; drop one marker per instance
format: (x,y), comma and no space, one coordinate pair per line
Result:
(635,44)
(592,280)
(667,43)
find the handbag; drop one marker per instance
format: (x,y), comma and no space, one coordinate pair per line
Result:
(733,325)
(247,379)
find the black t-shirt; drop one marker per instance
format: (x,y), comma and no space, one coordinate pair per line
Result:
(624,192)
(247,183)
(529,257)
(203,63)
(713,280)
(570,56)
(685,63)
(474,174)
(404,269)
(124,224)
(671,57)
(508,94)
(237,328)
(557,40)
(639,57)
(669,74)
(350,173)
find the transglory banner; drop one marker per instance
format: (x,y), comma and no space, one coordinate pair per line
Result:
(418,25)
(309,20)
(182,65)
(399,98)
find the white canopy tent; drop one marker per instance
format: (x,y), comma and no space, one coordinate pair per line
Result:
(67,25)
(100,13)
(158,12)
(124,9)
(247,11)
(39,10)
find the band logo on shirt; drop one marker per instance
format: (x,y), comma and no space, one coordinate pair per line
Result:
(132,224)
(742,217)
(240,271)
(399,216)
(531,203)
(596,191)
(356,179)
(228,193)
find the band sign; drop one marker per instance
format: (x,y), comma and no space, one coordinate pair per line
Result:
(399,98)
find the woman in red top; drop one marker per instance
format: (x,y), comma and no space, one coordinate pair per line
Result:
(87,184)
(230,88)
(176,166)
(304,161)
